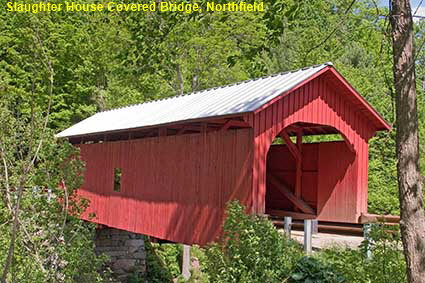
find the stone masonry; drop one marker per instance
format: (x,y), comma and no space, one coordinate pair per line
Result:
(125,250)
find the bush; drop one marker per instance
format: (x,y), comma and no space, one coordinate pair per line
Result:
(310,269)
(161,262)
(164,264)
(251,250)
(386,264)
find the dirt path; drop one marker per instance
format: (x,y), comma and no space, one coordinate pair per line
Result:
(327,240)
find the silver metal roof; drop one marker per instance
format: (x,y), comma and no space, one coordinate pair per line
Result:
(246,96)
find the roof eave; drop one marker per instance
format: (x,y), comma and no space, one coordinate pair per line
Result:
(153,126)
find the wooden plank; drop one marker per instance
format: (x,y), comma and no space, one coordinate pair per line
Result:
(375,218)
(349,145)
(226,125)
(291,146)
(294,215)
(204,127)
(155,187)
(233,122)
(182,130)
(299,163)
(162,132)
(298,202)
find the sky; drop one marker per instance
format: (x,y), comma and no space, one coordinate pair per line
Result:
(414,4)
(421,9)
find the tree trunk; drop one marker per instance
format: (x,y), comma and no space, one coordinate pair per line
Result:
(412,221)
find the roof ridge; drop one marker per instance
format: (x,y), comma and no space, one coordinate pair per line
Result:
(220,87)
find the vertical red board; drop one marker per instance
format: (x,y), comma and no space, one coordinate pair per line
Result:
(172,188)
(317,102)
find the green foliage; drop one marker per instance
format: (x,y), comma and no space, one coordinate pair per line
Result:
(386,265)
(383,189)
(164,264)
(251,250)
(39,209)
(160,269)
(309,269)
(52,244)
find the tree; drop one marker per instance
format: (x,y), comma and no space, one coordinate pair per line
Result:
(412,222)
(41,237)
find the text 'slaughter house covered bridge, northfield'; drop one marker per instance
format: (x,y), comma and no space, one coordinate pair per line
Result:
(167,168)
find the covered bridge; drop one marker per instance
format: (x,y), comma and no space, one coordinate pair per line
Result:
(167,168)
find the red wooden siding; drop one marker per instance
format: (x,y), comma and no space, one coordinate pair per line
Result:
(329,180)
(318,102)
(337,182)
(281,164)
(173,187)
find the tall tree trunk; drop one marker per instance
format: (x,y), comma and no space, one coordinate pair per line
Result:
(412,222)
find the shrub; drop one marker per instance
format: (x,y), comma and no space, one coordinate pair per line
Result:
(164,264)
(310,269)
(251,250)
(161,262)
(386,264)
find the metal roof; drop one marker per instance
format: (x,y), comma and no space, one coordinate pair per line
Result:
(243,97)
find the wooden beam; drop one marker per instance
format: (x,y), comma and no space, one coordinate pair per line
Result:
(295,215)
(226,125)
(204,127)
(376,218)
(299,172)
(182,130)
(162,132)
(297,201)
(291,146)
(153,133)
(349,145)
(321,130)
(309,131)
(234,123)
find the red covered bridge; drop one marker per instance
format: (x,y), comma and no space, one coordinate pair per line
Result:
(167,168)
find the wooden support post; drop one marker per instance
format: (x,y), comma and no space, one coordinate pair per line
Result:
(308,245)
(297,201)
(287,225)
(204,127)
(186,262)
(299,172)
(291,146)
